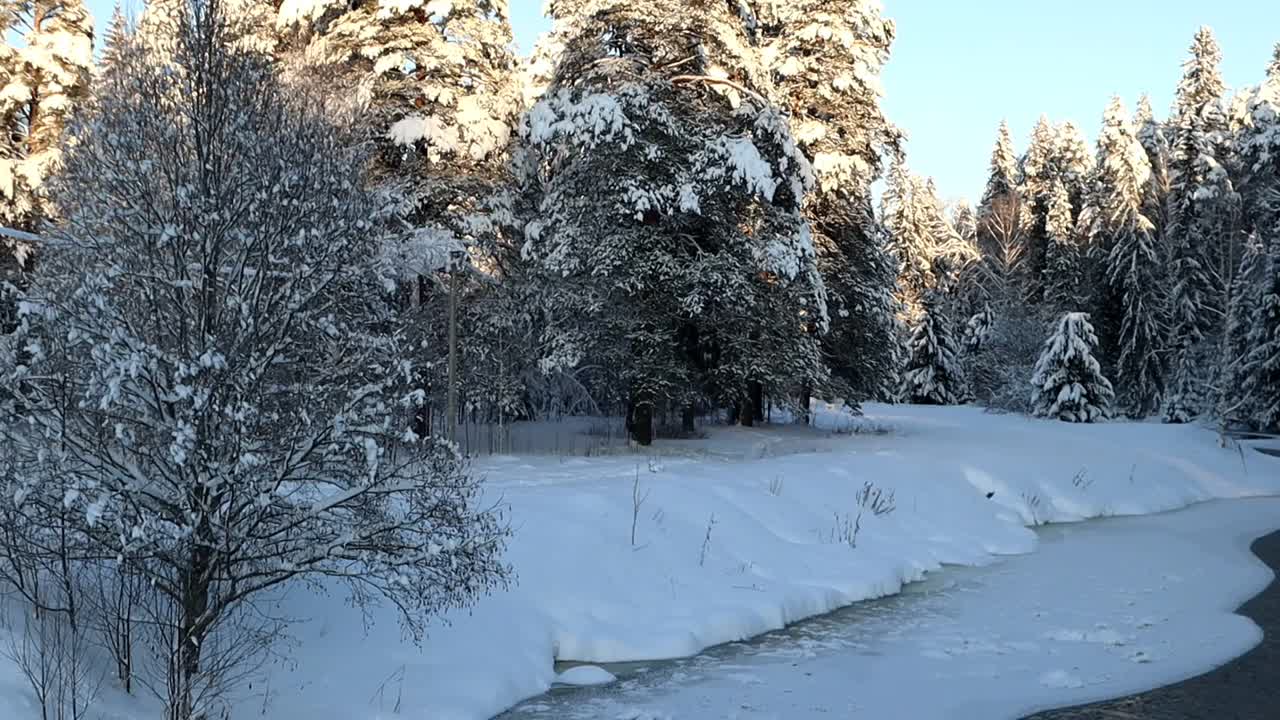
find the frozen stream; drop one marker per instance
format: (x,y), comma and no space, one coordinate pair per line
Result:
(1103,608)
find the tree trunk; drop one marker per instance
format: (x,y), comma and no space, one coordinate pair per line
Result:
(640,423)
(805,392)
(687,418)
(192,630)
(756,390)
(746,413)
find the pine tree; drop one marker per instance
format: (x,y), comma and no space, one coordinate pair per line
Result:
(1201,201)
(921,235)
(972,288)
(1236,404)
(826,57)
(441,87)
(1068,383)
(45,80)
(978,330)
(1056,157)
(1260,374)
(670,242)
(1155,142)
(437,93)
(158,27)
(1062,256)
(934,374)
(1258,142)
(1002,178)
(1130,306)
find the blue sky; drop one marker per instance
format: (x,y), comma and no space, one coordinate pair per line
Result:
(959,67)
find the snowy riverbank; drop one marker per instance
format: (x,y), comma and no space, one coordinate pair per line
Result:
(965,485)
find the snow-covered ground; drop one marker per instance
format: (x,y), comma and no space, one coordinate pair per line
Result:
(1102,609)
(742,533)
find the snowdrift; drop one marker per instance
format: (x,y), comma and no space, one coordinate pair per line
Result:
(735,535)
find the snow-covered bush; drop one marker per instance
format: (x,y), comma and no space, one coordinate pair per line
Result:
(1068,383)
(208,380)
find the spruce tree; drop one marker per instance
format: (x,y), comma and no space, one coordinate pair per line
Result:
(1236,404)
(1002,177)
(1068,383)
(1131,305)
(826,57)
(934,374)
(977,331)
(921,234)
(1155,142)
(1201,200)
(1062,278)
(1057,156)
(1258,142)
(1260,374)
(972,287)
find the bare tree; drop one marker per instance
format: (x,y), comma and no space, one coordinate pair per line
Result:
(1003,244)
(213,386)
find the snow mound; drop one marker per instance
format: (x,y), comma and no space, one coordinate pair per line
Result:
(583,675)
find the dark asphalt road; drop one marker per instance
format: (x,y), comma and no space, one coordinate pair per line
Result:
(1247,688)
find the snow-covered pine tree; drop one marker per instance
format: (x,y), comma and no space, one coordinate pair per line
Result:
(673,253)
(211,297)
(1057,156)
(1236,405)
(1258,143)
(1131,306)
(1260,374)
(934,374)
(44,76)
(972,289)
(438,86)
(826,58)
(1155,141)
(1037,173)
(1068,383)
(977,331)
(439,90)
(1063,260)
(44,79)
(920,233)
(1201,203)
(1003,176)
(157,28)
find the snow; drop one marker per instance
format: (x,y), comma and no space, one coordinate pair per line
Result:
(585,675)
(966,485)
(1102,609)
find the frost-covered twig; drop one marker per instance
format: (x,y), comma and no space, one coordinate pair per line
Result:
(876,499)
(637,500)
(706,541)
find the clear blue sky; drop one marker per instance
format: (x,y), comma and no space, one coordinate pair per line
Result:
(959,67)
